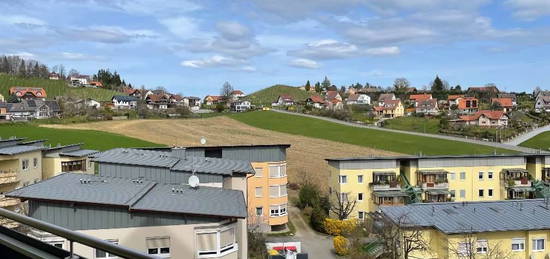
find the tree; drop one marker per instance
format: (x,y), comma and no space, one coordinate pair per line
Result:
(343,206)
(400,86)
(326,83)
(226,91)
(22,69)
(399,239)
(318,88)
(469,245)
(308,86)
(439,88)
(73,72)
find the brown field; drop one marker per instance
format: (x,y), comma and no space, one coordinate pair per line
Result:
(305,156)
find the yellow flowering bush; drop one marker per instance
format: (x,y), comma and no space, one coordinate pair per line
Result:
(341,245)
(336,227)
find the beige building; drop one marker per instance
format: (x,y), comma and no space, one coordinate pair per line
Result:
(69,158)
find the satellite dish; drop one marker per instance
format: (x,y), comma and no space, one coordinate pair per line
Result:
(203,141)
(193,181)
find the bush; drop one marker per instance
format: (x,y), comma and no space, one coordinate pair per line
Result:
(336,227)
(317,219)
(256,245)
(308,196)
(341,245)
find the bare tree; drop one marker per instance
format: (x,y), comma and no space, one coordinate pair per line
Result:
(470,247)
(343,207)
(226,91)
(401,83)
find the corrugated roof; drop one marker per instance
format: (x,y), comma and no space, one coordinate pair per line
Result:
(13,150)
(457,217)
(79,153)
(213,165)
(144,195)
(128,156)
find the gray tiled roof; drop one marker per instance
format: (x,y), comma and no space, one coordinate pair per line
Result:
(128,156)
(79,153)
(213,165)
(13,150)
(143,196)
(125,98)
(457,217)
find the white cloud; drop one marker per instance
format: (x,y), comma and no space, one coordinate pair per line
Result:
(154,7)
(388,34)
(181,26)
(383,51)
(529,9)
(248,69)
(326,49)
(214,61)
(292,10)
(23,55)
(105,34)
(21,20)
(233,31)
(304,63)
(78,56)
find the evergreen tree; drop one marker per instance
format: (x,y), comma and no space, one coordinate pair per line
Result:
(318,88)
(438,88)
(308,86)
(326,83)
(22,69)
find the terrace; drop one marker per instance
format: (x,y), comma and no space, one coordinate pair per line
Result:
(518,183)
(433,179)
(385,181)
(389,198)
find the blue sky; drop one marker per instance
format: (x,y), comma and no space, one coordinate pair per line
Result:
(193,47)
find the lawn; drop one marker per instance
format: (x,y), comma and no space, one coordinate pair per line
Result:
(396,142)
(540,141)
(54,88)
(269,95)
(92,139)
(418,124)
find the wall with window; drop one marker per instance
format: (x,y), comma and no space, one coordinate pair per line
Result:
(29,168)
(52,166)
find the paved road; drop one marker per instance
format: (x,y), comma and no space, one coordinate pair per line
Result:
(466,140)
(315,244)
(527,135)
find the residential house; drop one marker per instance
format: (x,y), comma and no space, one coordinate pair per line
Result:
(124,102)
(419,97)
(240,105)
(133,92)
(386,97)
(389,108)
(236,94)
(509,95)
(334,104)
(316,101)
(177,100)
(427,106)
(467,104)
(95,84)
(68,158)
(284,100)
(453,100)
(79,80)
(505,103)
(333,95)
(53,76)
(358,99)
(484,93)
(87,103)
(542,102)
(213,99)
(29,109)
(28,93)
(517,229)
(194,103)
(157,101)
(160,219)
(485,118)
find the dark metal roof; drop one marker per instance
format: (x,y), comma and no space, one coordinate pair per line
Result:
(124,98)
(13,150)
(213,165)
(436,157)
(79,153)
(237,146)
(466,217)
(136,194)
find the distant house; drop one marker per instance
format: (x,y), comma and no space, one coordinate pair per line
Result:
(333,95)
(483,92)
(358,99)
(468,104)
(194,103)
(284,100)
(386,97)
(213,99)
(157,101)
(88,102)
(542,103)
(28,93)
(176,100)
(96,84)
(485,118)
(390,109)
(33,109)
(452,99)
(53,76)
(315,101)
(506,103)
(79,80)
(509,95)
(334,104)
(132,92)
(240,105)
(427,106)
(419,97)
(124,102)
(236,94)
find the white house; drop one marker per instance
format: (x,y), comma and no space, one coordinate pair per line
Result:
(240,106)
(358,99)
(124,102)
(284,100)
(79,80)
(542,103)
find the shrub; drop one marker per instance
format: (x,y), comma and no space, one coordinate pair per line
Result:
(256,245)
(317,219)
(308,196)
(338,227)
(341,245)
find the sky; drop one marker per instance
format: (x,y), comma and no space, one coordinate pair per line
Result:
(193,47)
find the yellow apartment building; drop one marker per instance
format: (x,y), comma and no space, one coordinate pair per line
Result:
(69,158)
(375,181)
(508,229)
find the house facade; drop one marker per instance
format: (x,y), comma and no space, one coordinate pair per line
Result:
(213,99)
(542,102)
(316,102)
(68,158)
(358,99)
(506,103)
(28,93)
(29,109)
(157,101)
(284,100)
(485,119)
(124,102)
(467,104)
(389,109)
(427,106)
(241,105)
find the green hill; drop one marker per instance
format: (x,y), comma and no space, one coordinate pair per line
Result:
(54,88)
(269,95)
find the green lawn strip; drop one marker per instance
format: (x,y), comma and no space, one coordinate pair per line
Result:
(92,139)
(269,95)
(540,141)
(390,141)
(417,124)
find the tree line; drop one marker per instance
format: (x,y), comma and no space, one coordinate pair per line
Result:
(17,66)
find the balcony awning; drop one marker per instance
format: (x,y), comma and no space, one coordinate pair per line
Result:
(384,173)
(438,192)
(522,188)
(390,194)
(515,170)
(437,171)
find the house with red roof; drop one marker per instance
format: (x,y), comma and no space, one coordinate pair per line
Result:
(390,109)
(157,101)
(316,101)
(213,99)
(237,94)
(26,93)
(96,84)
(467,104)
(283,100)
(53,76)
(177,100)
(427,106)
(132,92)
(507,104)
(332,95)
(485,118)
(419,97)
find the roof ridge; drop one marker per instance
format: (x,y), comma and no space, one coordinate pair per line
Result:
(139,195)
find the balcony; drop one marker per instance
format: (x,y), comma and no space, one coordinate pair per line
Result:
(389,198)
(7,177)
(8,202)
(385,181)
(516,177)
(433,179)
(435,185)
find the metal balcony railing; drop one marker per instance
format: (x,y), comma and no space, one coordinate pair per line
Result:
(74,236)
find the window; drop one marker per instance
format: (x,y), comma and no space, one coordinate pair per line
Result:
(489,175)
(343,196)
(518,244)
(35,162)
(480,175)
(259,192)
(343,179)
(259,172)
(453,193)
(277,210)
(360,196)
(259,211)
(538,244)
(490,192)
(24,164)
(216,242)
(103,254)
(462,176)
(464,249)
(452,175)
(70,166)
(462,193)
(277,191)
(480,193)
(158,246)
(481,247)
(361,214)
(360,179)
(277,171)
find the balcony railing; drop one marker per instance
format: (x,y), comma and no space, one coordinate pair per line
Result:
(385,187)
(7,177)
(432,185)
(524,182)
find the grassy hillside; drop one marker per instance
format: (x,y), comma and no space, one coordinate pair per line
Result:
(92,139)
(54,88)
(424,125)
(540,141)
(396,142)
(269,95)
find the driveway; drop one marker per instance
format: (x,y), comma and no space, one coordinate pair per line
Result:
(466,140)
(527,135)
(315,244)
